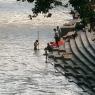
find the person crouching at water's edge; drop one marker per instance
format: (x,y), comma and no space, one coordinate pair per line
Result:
(48,49)
(36,43)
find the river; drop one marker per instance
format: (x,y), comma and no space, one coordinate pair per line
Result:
(23,71)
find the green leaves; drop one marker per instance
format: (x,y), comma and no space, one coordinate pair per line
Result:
(30,1)
(43,6)
(83,7)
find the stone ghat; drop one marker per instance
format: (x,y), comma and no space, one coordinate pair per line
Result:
(77,59)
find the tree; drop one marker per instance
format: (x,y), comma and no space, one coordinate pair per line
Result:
(43,5)
(84,7)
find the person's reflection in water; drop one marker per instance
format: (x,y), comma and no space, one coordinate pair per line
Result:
(46,54)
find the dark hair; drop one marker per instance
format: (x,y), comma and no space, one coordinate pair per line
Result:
(57,26)
(54,29)
(36,40)
(47,44)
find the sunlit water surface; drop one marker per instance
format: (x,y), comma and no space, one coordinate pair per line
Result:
(23,71)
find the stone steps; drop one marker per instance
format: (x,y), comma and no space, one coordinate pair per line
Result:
(80,56)
(80,67)
(91,43)
(86,45)
(82,50)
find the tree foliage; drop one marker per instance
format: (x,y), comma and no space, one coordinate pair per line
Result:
(82,6)
(43,5)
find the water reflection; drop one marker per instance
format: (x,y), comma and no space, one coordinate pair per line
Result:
(13,12)
(23,71)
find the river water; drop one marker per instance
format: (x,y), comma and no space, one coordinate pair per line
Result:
(23,71)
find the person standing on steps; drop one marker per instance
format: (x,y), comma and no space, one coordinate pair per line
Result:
(59,31)
(36,43)
(57,38)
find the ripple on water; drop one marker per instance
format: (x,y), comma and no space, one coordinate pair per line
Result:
(23,71)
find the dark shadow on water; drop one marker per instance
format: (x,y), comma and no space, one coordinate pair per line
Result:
(38,52)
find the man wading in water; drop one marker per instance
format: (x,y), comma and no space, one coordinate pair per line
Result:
(36,43)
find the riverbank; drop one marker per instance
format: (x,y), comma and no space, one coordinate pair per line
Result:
(77,58)
(24,72)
